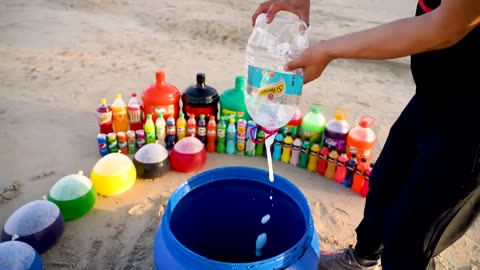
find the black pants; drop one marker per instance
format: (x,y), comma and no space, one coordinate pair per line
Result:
(424,189)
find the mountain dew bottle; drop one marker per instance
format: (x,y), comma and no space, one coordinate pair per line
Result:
(313,126)
(221,133)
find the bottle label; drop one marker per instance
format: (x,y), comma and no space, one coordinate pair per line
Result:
(322,156)
(191,130)
(340,163)
(134,116)
(105,118)
(273,85)
(221,133)
(296,147)
(337,143)
(165,110)
(171,130)
(330,159)
(202,131)
(180,130)
(211,132)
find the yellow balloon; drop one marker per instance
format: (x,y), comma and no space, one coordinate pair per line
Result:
(113,174)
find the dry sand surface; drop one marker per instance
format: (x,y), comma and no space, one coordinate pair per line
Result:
(58,57)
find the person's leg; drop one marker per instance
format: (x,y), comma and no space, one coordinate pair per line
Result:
(440,197)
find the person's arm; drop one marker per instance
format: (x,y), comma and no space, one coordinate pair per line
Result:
(438,29)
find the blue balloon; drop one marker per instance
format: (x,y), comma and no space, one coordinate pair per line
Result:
(17,255)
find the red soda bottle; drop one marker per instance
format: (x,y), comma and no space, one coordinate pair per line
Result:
(135,113)
(366,178)
(191,125)
(105,117)
(322,160)
(341,170)
(211,134)
(358,178)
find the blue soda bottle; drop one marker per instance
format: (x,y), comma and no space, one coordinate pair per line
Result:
(231,136)
(277,146)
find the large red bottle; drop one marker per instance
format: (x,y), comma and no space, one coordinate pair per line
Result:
(361,139)
(161,97)
(104,117)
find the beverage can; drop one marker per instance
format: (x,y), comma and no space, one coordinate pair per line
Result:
(122,142)
(131,142)
(241,136)
(112,142)
(102,144)
(251,133)
(140,138)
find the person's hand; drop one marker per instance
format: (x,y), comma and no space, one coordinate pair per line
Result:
(299,7)
(312,60)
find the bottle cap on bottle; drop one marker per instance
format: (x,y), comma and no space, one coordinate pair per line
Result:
(222,118)
(149,116)
(202,116)
(118,95)
(239,82)
(103,100)
(354,155)
(134,95)
(201,78)
(212,117)
(191,115)
(160,115)
(181,115)
(315,109)
(232,120)
(363,159)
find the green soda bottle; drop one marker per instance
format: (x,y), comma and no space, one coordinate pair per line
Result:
(232,102)
(304,154)
(260,146)
(221,133)
(313,126)
(149,129)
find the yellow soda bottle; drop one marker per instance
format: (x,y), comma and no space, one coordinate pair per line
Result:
(331,163)
(287,148)
(181,126)
(313,160)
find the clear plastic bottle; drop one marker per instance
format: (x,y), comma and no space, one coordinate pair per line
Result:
(119,112)
(160,129)
(135,113)
(272,94)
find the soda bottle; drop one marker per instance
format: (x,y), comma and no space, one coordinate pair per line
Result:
(322,160)
(191,125)
(221,135)
(358,179)
(351,166)
(211,134)
(160,125)
(272,94)
(231,136)
(294,125)
(287,148)
(119,113)
(313,159)
(277,146)
(296,148)
(304,154)
(181,126)
(332,163)
(149,130)
(104,113)
(202,129)
(171,132)
(313,126)
(336,130)
(260,147)
(341,170)
(135,113)
(241,137)
(362,138)
(366,178)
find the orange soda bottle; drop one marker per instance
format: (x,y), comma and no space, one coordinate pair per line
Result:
(313,160)
(211,134)
(119,113)
(332,163)
(191,125)
(358,178)
(181,126)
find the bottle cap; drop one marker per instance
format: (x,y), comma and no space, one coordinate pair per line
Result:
(202,116)
(118,95)
(134,94)
(191,115)
(103,100)
(149,116)
(232,120)
(239,82)
(160,115)
(181,115)
(212,117)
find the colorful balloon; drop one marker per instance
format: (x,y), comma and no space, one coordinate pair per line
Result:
(113,174)
(188,155)
(17,255)
(151,161)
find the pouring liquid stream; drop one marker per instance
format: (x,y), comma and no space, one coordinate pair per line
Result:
(268,143)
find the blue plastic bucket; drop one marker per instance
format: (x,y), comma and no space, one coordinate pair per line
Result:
(215,221)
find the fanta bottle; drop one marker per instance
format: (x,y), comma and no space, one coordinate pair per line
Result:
(202,129)
(358,179)
(296,149)
(191,125)
(341,170)
(331,163)
(351,167)
(313,159)
(366,178)
(322,160)
(231,137)
(181,126)
(149,130)
(135,113)
(119,112)
(160,129)
(221,135)
(277,146)
(362,139)
(336,130)
(211,134)
(104,117)
(287,147)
